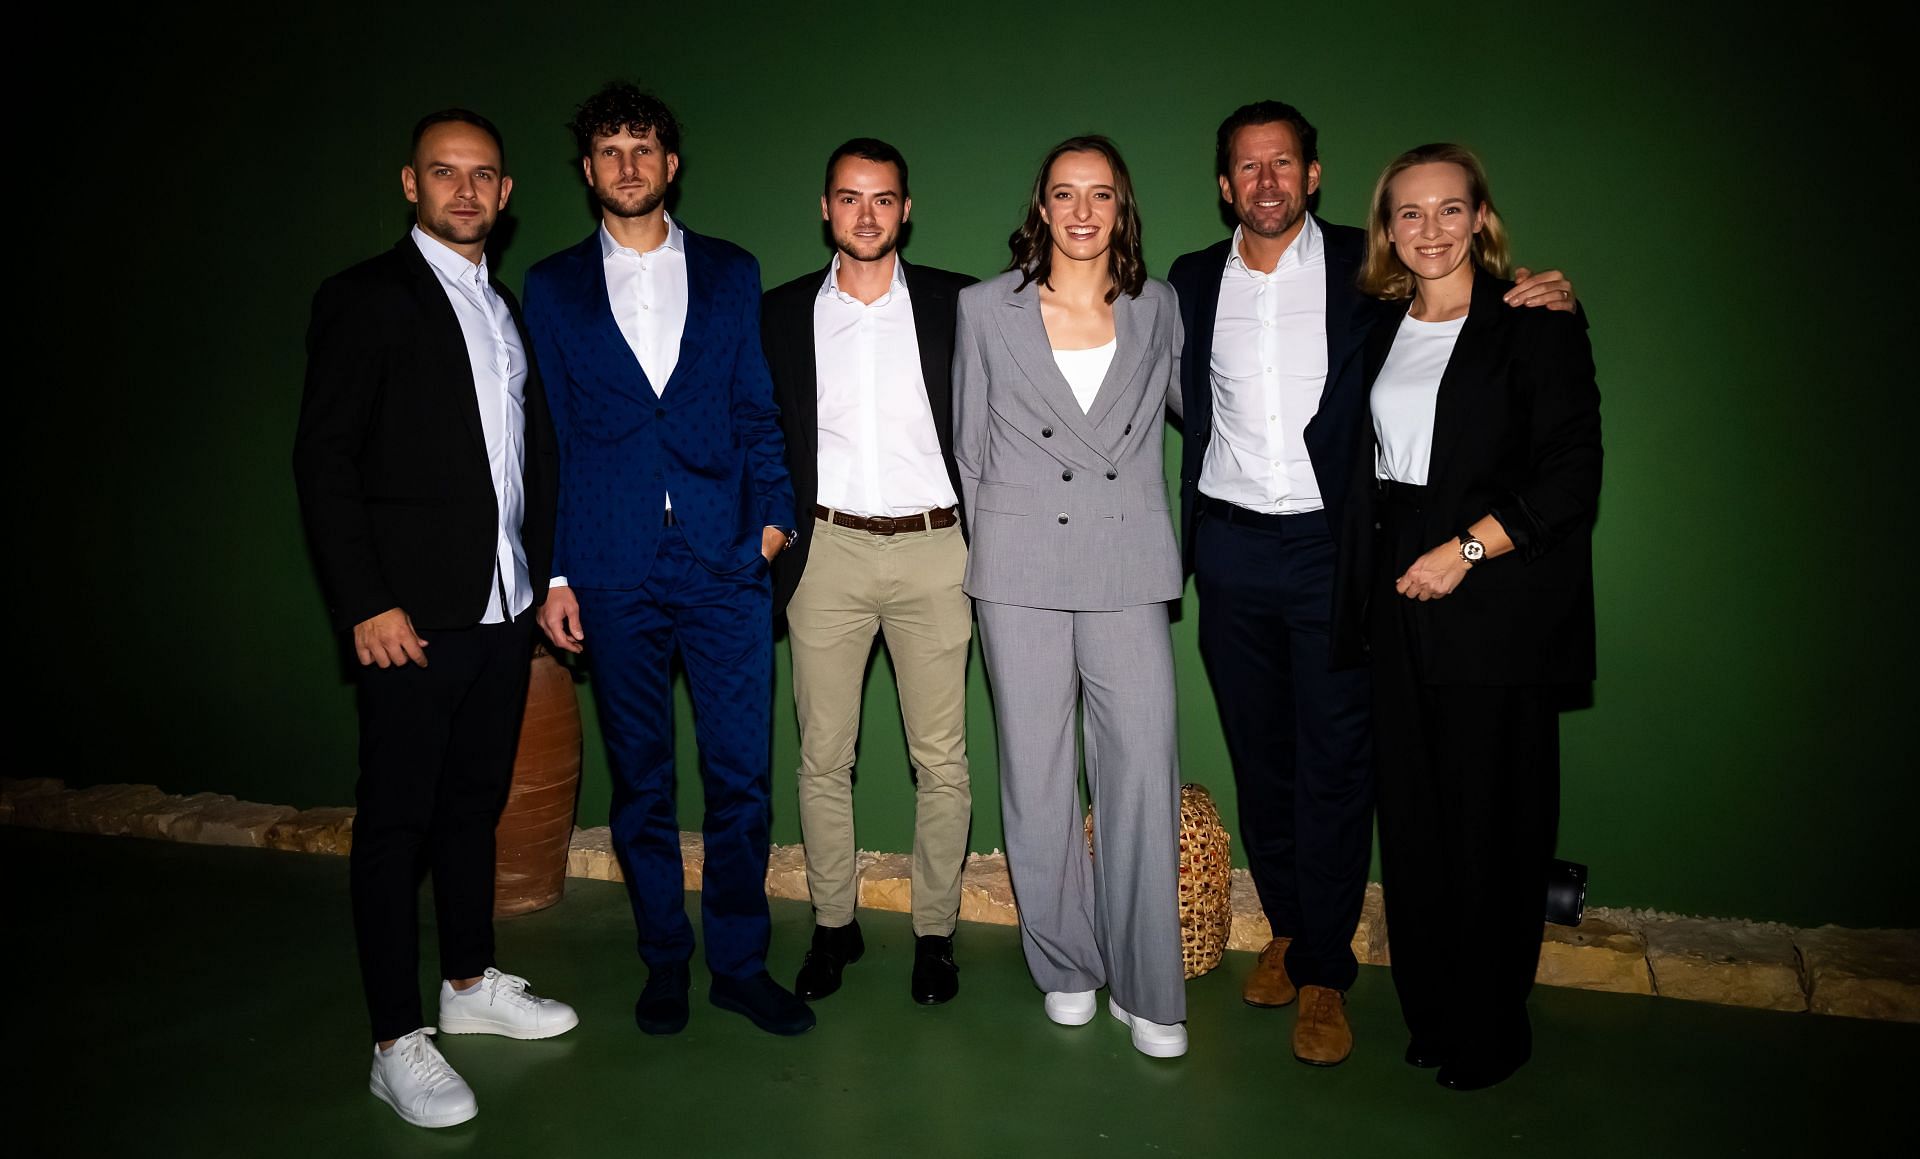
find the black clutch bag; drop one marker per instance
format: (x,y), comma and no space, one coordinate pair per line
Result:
(1566,892)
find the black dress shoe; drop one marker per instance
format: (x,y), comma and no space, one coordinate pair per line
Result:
(1425,1055)
(935,977)
(834,948)
(765,1002)
(662,1008)
(1472,1074)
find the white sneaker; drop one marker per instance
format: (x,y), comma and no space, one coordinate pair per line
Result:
(417,1083)
(502,1004)
(1071,1007)
(1153,1039)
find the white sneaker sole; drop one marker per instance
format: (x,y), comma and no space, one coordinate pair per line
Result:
(1149,1047)
(1070,1016)
(446,1119)
(506,1029)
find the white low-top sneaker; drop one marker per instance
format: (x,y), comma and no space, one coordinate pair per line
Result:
(415,1080)
(1153,1039)
(1071,1007)
(502,1004)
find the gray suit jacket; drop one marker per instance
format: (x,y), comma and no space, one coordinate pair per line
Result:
(1068,509)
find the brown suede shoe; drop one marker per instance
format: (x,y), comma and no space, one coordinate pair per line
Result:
(1269,985)
(1321,1036)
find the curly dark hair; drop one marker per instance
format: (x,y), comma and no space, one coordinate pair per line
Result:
(1264,113)
(620,105)
(1032,243)
(459,116)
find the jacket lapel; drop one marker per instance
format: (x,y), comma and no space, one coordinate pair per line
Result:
(1469,373)
(693,335)
(932,329)
(432,299)
(1133,321)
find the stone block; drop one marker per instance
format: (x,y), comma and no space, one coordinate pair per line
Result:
(1728,962)
(1249,930)
(327,830)
(16,791)
(986,892)
(590,855)
(1862,973)
(886,882)
(230,822)
(693,859)
(1370,937)
(1596,955)
(111,810)
(787,873)
(163,816)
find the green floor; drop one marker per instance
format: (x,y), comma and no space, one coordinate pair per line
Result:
(183,1000)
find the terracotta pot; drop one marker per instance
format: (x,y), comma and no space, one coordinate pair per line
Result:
(530,842)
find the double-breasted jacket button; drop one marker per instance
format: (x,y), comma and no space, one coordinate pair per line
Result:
(1063,517)
(1113,474)
(1129,429)
(1046,432)
(1066,476)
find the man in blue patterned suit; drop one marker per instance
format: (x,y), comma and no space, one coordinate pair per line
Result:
(674,499)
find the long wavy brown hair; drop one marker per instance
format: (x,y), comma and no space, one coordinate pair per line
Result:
(1384,275)
(1032,243)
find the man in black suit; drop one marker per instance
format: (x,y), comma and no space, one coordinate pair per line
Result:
(860,354)
(1272,392)
(425,467)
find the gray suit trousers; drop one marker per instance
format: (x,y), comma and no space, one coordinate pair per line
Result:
(1112,920)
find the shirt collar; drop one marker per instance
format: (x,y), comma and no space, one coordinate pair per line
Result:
(832,283)
(1308,248)
(449,261)
(676,240)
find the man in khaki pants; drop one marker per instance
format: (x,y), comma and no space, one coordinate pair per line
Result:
(860,354)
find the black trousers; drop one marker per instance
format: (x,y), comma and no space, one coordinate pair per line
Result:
(436,762)
(1469,801)
(1296,731)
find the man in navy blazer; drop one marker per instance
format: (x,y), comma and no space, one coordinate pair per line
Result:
(674,498)
(1272,392)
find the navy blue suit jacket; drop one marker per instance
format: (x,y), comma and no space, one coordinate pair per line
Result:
(711,438)
(1329,436)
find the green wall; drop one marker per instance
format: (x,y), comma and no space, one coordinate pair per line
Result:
(1694,172)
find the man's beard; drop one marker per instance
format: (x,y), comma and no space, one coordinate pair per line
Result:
(880,249)
(648,202)
(451,228)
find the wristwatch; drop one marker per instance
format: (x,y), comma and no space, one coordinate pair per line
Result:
(1471,549)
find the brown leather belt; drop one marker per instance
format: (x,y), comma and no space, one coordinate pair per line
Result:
(890,524)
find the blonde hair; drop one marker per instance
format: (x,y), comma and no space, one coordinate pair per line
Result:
(1384,275)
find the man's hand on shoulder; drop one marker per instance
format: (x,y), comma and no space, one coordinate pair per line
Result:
(389,641)
(560,619)
(1549,288)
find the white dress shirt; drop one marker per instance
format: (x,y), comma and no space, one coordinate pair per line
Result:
(1404,394)
(1085,370)
(648,294)
(499,363)
(1268,368)
(879,451)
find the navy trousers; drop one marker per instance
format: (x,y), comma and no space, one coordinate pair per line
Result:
(1297,733)
(721,627)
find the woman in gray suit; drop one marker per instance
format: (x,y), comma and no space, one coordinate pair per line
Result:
(1062,369)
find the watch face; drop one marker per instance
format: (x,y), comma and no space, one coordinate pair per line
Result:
(1473,551)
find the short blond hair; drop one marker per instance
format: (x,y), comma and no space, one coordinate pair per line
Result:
(1384,275)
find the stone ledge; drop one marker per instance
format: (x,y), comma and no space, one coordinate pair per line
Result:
(1830,970)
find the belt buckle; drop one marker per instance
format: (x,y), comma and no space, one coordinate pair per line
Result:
(880,525)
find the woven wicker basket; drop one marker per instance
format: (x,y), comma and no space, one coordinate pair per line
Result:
(1206,882)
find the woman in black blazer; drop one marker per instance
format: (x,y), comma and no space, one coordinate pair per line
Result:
(1468,576)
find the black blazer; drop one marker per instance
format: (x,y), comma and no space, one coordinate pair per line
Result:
(390,460)
(1516,433)
(1329,436)
(786,334)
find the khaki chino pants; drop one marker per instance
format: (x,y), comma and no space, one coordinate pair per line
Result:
(908,586)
